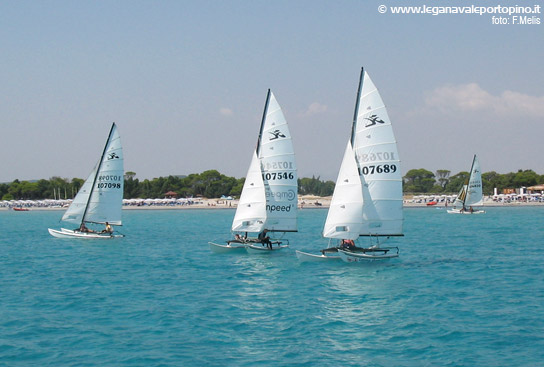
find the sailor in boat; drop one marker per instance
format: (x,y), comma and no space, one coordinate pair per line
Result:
(84,229)
(238,239)
(344,245)
(348,245)
(264,239)
(108,229)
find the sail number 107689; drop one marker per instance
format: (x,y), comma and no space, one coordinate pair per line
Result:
(376,156)
(381,168)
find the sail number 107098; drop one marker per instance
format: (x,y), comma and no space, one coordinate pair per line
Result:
(111,184)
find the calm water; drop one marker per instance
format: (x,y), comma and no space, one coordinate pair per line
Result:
(466,291)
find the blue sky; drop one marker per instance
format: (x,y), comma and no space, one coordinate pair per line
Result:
(186,83)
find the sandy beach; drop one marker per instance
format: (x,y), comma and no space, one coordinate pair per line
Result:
(304,202)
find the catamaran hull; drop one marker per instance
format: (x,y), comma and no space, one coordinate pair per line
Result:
(227,249)
(458,211)
(68,233)
(307,257)
(350,257)
(260,249)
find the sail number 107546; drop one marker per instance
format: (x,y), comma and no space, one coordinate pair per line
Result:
(278,176)
(278,165)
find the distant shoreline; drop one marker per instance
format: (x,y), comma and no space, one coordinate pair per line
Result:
(303,203)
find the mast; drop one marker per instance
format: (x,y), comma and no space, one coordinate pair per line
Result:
(258,148)
(96,173)
(471,168)
(356,113)
(469,178)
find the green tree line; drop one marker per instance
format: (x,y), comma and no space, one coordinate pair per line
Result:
(424,181)
(212,184)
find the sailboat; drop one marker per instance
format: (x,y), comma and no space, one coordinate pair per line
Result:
(100,199)
(471,194)
(367,199)
(270,194)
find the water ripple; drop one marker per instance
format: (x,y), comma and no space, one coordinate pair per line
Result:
(463,292)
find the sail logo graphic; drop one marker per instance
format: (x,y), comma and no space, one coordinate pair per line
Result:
(288,195)
(374,119)
(112,156)
(279,208)
(276,134)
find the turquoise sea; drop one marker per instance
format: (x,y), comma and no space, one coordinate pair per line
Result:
(466,291)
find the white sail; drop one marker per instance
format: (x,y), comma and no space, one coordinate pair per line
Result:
(474,195)
(100,198)
(345,216)
(279,172)
(459,202)
(74,213)
(270,193)
(377,157)
(251,211)
(367,198)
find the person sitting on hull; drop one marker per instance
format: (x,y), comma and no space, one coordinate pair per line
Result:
(348,244)
(264,239)
(83,228)
(108,229)
(238,239)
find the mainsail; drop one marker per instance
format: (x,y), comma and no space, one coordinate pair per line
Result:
(474,191)
(279,171)
(100,198)
(376,159)
(270,193)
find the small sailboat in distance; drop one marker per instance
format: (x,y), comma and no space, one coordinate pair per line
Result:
(367,199)
(100,199)
(269,199)
(471,193)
